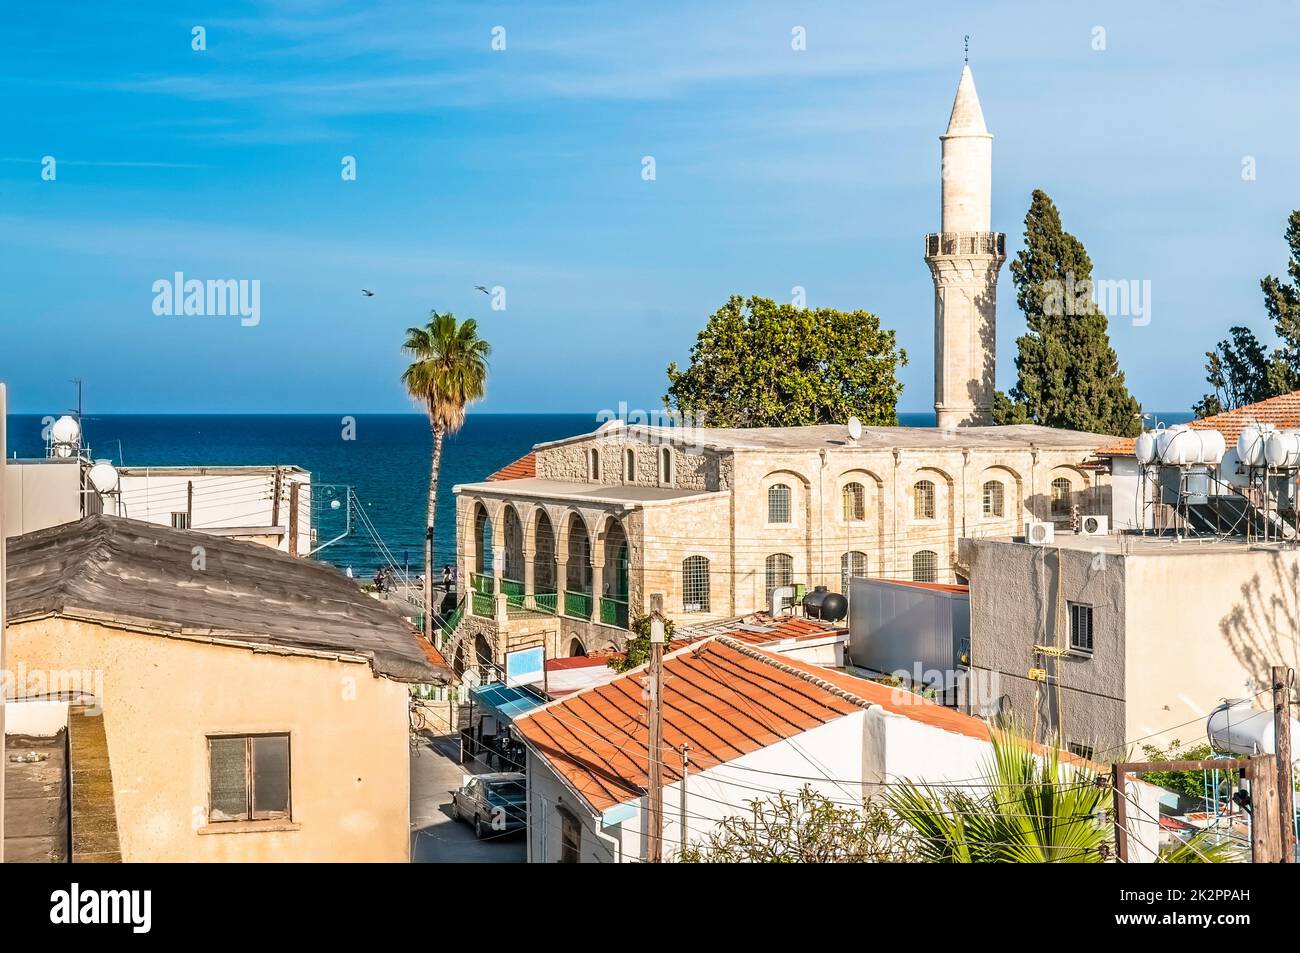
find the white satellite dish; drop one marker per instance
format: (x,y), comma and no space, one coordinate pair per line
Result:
(103,476)
(855,428)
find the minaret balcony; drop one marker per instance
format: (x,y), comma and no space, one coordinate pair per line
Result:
(966,243)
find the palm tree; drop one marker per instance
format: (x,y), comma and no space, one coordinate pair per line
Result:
(448,374)
(1026,808)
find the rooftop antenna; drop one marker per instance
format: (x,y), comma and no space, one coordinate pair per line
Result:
(77,381)
(967,48)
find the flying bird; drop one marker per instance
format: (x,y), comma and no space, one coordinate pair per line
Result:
(482,289)
(368,293)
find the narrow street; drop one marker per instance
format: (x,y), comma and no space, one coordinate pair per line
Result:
(435,836)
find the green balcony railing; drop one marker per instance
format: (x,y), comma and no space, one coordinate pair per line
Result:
(613,612)
(484,585)
(484,606)
(544,602)
(450,622)
(577,605)
(514,592)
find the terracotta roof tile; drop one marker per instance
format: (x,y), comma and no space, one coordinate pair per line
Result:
(723,697)
(524,468)
(1283,411)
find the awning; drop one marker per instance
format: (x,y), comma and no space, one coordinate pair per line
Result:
(507,702)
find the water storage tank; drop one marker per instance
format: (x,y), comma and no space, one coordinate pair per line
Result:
(66,430)
(1183,446)
(1251,444)
(103,476)
(823,604)
(1239,727)
(1282,449)
(1144,448)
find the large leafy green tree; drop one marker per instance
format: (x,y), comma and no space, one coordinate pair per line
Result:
(448,373)
(1238,370)
(1068,374)
(762,364)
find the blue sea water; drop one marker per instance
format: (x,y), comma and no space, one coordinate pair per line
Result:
(386,465)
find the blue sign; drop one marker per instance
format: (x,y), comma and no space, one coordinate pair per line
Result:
(526,666)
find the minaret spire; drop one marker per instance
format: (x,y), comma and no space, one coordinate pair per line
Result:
(964,259)
(966,57)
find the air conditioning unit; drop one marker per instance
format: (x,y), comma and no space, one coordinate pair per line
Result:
(1094,525)
(1040,534)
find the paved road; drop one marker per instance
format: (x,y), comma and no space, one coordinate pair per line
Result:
(435,837)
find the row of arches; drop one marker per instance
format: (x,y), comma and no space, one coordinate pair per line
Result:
(578,552)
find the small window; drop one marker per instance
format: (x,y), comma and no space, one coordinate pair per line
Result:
(593,464)
(1080,628)
(248,778)
(778,503)
(851,564)
(629,465)
(181,520)
(923,508)
(570,838)
(855,502)
(666,466)
(780,570)
(925,566)
(695,584)
(994,499)
(1080,751)
(1061,497)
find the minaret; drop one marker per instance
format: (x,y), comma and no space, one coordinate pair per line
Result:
(964,259)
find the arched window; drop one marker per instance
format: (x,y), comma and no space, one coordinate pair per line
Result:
(923,500)
(578,569)
(780,570)
(851,564)
(854,498)
(629,465)
(1061,497)
(925,566)
(994,498)
(666,466)
(778,503)
(695,584)
(513,569)
(576,648)
(593,464)
(543,554)
(483,544)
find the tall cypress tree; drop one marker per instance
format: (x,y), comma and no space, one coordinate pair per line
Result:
(1068,374)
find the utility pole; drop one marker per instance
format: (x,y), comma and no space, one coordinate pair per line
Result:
(1282,679)
(686,770)
(293,518)
(275,499)
(655,835)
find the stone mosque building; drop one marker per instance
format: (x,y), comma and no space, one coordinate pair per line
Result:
(566,545)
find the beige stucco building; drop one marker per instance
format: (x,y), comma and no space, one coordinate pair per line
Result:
(573,540)
(255,706)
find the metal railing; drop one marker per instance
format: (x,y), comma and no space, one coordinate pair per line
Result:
(966,243)
(513,590)
(613,612)
(577,605)
(544,602)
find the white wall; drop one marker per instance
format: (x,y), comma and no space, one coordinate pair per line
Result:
(224,499)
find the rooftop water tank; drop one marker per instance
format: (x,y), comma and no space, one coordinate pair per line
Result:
(66,430)
(103,476)
(1144,448)
(1239,727)
(1251,443)
(1282,449)
(825,605)
(1183,446)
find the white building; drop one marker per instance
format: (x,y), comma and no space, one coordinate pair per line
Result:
(755,723)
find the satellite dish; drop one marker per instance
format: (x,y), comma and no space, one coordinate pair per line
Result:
(855,428)
(103,476)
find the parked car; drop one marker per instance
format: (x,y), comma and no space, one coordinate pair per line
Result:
(494,803)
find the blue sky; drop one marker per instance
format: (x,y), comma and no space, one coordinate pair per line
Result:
(522,168)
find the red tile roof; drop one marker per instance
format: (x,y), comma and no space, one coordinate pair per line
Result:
(723,697)
(935,586)
(1283,411)
(523,468)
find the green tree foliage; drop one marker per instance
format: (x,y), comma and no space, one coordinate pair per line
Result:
(1238,370)
(1189,784)
(1026,808)
(1068,374)
(808,828)
(638,646)
(1242,371)
(762,364)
